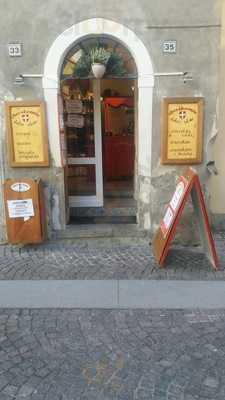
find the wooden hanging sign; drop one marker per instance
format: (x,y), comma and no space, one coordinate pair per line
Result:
(182,130)
(27,134)
(188,184)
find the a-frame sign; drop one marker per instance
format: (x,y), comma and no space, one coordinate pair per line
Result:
(188,184)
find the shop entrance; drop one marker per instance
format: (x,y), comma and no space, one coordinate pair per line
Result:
(58,54)
(99,124)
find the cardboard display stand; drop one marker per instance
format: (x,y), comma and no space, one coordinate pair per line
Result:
(24,208)
(188,184)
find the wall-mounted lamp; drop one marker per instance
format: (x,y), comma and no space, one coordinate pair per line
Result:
(19,80)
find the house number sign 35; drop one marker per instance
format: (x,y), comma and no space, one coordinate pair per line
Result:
(169,46)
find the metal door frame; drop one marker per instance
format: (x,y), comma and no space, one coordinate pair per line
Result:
(96,200)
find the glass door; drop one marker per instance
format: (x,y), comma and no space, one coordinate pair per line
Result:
(84,146)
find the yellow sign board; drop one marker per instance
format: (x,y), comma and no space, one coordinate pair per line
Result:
(27,134)
(182,131)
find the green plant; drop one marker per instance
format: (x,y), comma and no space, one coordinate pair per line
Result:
(99,55)
(115,65)
(112,60)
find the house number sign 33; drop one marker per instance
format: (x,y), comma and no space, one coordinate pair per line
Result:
(15,49)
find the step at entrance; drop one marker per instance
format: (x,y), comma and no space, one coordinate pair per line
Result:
(118,193)
(104,220)
(102,235)
(115,210)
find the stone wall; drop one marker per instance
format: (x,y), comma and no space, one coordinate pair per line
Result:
(217,187)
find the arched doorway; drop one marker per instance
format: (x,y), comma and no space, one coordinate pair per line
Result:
(100,132)
(145,82)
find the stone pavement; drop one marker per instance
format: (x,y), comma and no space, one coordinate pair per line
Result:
(61,261)
(112,355)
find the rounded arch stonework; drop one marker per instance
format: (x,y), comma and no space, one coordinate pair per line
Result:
(145,81)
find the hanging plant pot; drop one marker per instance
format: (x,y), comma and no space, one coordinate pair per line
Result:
(98,70)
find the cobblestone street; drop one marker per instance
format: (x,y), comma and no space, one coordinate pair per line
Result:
(93,354)
(61,261)
(112,355)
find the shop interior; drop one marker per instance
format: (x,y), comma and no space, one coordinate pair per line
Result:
(117,105)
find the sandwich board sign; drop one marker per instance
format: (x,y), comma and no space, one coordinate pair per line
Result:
(188,184)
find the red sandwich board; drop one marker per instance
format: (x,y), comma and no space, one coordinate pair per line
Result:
(188,184)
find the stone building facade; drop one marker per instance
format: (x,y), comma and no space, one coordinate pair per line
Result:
(47,32)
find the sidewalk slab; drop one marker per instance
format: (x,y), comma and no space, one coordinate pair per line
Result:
(58,294)
(171,294)
(112,294)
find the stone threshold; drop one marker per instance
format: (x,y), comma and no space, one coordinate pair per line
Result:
(112,294)
(101,234)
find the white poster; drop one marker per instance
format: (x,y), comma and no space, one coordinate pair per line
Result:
(177,196)
(168,218)
(75,120)
(20,208)
(74,106)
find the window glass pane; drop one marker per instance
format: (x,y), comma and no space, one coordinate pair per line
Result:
(79,118)
(81,180)
(75,54)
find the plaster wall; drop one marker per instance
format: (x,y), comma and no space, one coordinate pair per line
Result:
(194,24)
(217,187)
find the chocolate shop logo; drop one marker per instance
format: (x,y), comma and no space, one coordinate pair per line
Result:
(25,118)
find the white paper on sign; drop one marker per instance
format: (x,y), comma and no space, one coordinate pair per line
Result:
(20,208)
(74,106)
(168,218)
(75,120)
(177,196)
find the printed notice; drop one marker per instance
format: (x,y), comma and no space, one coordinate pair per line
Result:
(167,221)
(20,208)
(175,201)
(182,131)
(168,218)
(74,106)
(75,120)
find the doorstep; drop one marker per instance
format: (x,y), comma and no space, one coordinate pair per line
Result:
(102,234)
